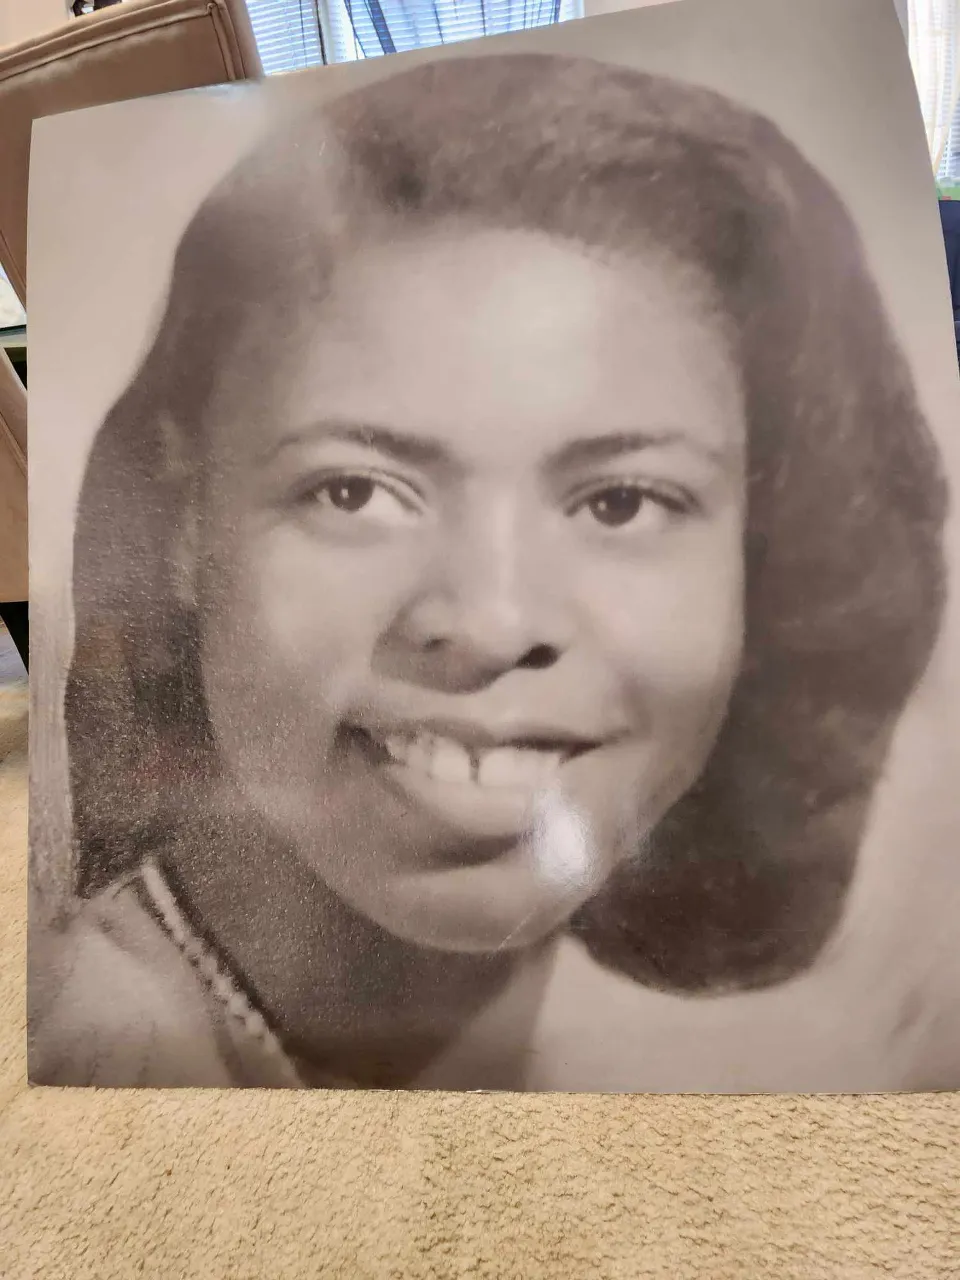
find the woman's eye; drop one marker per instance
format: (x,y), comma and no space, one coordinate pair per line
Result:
(350,493)
(623,506)
(616,507)
(366,499)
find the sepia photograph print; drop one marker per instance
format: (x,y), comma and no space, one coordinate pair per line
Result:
(493,570)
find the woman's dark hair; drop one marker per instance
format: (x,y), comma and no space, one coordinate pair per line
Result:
(745,878)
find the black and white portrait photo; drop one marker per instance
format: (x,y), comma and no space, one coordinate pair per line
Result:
(493,571)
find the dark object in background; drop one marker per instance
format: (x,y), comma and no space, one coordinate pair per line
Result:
(80,7)
(16,619)
(950,222)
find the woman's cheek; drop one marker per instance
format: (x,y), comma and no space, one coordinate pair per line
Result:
(320,611)
(673,624)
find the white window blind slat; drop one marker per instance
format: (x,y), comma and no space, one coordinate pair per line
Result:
(288,31)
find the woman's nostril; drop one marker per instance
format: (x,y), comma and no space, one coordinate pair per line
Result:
(540,656)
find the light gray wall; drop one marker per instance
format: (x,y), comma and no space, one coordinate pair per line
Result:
(593,8)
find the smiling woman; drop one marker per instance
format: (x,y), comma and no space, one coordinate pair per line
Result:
(467,539)
(559,586)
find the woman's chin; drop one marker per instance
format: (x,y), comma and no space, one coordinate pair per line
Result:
(466,920)
(509,901)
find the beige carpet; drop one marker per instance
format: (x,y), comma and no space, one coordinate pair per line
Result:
(105,1185)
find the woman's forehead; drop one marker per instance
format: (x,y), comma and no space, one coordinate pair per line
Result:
(465,336)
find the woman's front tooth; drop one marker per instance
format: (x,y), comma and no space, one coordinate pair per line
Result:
(449,762)
(550,763)
(419,754)
(531,769)
(502,767)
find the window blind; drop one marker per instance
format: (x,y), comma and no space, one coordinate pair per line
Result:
(288,31)
(287,34)
(12,314)
(935,57)
(370,28)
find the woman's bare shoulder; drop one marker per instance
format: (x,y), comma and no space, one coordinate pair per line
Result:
(112,1002)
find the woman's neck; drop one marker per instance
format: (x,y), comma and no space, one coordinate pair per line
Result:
(342,993)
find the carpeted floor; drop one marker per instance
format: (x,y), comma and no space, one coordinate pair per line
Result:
(252,1185)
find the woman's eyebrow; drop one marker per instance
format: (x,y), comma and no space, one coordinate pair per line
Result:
(413,450)
(591,450)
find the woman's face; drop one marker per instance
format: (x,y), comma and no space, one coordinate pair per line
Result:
(470,573)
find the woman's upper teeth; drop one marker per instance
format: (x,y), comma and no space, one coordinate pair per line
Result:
(447,760)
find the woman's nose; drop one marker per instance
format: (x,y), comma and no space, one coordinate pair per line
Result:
(488,605)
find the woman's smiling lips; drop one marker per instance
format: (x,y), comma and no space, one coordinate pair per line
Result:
(484,784)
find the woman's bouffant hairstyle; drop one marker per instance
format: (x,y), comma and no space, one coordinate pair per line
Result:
(745,878)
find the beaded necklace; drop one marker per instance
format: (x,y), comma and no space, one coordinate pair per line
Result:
(242,1015)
